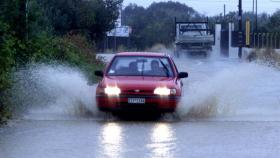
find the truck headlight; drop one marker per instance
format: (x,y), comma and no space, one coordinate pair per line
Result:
(164,91)
(112,90)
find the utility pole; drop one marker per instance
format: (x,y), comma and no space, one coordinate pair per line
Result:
(224,11)
(253,7)
(256,16)
(253,14)
(240,29)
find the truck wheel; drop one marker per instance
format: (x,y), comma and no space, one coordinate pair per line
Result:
(205,54)
(177,51)
(177,54)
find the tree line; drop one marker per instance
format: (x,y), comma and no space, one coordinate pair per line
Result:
(155,24)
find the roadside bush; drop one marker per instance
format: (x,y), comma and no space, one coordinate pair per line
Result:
(76,51)
(7,51)
(72,49)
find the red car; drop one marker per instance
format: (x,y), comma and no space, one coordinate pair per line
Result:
(139,81)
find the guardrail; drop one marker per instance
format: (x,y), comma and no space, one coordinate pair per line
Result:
(265,40)
(257,40)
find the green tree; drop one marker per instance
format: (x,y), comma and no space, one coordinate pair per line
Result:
(156,23)
(93,17)
(274,22)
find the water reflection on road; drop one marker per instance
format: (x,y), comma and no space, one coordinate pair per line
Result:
(111,140)
(157,141)
(163,141)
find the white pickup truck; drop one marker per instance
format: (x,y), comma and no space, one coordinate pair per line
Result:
(193,38)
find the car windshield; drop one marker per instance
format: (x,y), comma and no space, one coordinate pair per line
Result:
(140,66)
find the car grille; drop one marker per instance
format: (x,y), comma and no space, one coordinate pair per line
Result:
(137,92)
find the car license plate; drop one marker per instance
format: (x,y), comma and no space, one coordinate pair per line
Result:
(136,100)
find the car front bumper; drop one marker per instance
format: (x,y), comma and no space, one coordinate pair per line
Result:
(152,103)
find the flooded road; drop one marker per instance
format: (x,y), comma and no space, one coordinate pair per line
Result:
(87,139)
(230,109)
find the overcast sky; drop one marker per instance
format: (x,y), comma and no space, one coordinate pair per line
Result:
(214,7)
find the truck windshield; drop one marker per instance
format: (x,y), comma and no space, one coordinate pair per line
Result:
(140,66)
(192,29)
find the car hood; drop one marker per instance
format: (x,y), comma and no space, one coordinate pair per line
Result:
(140,82)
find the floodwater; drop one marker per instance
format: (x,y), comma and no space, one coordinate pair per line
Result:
(230,109)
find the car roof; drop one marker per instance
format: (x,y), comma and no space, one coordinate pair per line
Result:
(154,54)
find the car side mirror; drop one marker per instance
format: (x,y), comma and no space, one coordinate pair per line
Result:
(183,75)
(98,73)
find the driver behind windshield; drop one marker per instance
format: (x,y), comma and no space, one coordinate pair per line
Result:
(156,70)
(133,69)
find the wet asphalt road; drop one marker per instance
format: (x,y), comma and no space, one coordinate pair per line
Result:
(240,134)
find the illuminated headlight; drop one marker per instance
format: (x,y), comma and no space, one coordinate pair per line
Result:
(164,91)
(112,91)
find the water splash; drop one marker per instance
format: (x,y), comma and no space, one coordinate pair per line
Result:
(242,91)
(53,92)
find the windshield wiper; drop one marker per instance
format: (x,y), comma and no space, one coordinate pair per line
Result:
(165,68)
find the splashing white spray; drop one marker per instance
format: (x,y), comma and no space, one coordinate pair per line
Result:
(54,92)
(236,92)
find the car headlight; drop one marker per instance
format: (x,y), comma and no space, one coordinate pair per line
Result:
(112,90)
(164,91)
